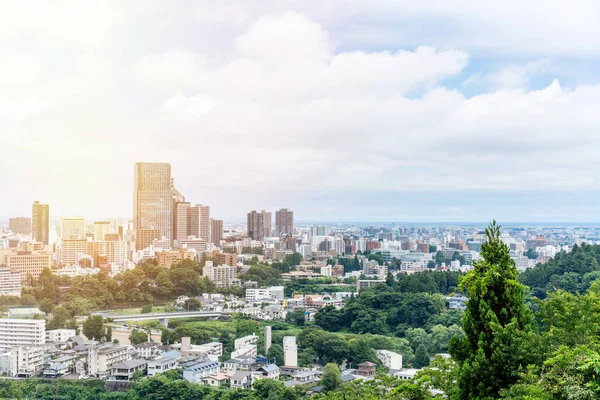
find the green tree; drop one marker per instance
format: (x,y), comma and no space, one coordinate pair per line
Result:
(137,337)
(93,328)
(147,309)
(421,357)
(497,324)
(192,304)
(46,306)
(297,317)
(59,319)
(275,354)
(332,378)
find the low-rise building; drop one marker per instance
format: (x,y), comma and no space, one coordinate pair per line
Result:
(123,371)
(196,371)
(367,283)
(60,335)
(165,362)
(390,359)
(21,361)
(242,380)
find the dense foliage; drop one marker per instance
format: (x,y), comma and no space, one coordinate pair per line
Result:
(572,272)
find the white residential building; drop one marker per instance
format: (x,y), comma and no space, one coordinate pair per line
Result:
(271,293)
(22,332)
(165,362)
(60,335)
(10,282)
(390,359)
(326,270)
(290,351)
(21,361)
(101,358)
(196,372)
(245,346)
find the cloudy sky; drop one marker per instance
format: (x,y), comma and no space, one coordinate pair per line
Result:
(341,110)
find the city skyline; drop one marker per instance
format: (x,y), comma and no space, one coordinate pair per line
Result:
(456,126)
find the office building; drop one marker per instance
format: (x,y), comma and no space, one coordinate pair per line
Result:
(40,222)
(10,282)
(284,222)
(180,221)
(320,231)
(72,228)
(22,332)
(69,251)
(290,351)
(20,225)
(256,228)
(199,221)
(26,262)
(101,229)
(145,237)
(216,231)
(153,200)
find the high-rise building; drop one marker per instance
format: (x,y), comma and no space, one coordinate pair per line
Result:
(72,228)
(153,200)
(199,221)
(180,216)
(20,225)
(216,231)
(320,230)
(267,223)
(284,222)
(101,229)
(256,228)
(40,222)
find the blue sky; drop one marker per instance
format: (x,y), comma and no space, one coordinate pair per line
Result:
(342,110)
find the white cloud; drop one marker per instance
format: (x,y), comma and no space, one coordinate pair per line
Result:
(291,107)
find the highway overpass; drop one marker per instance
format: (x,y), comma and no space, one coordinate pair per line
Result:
(162,317)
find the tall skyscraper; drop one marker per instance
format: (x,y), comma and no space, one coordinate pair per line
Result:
(153,200)
(216,231)
(72,228)
(180,216)
(256,229)
(199,221)
(101,229)
(267,223)
(40,222)
(284,222)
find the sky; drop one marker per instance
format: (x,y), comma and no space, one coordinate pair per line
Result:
(340,110)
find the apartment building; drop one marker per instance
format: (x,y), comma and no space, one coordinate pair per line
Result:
(22,332)
(167,258)
(221,275)
(10,282)
(21,361)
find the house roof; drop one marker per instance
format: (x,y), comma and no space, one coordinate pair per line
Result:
(241,375)
(129,364)
(270,368)
(202,366)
